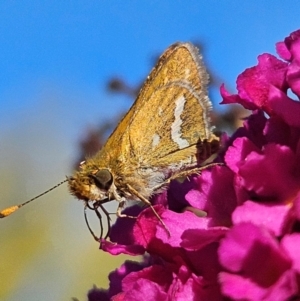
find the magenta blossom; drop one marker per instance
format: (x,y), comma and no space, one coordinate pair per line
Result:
(235,229)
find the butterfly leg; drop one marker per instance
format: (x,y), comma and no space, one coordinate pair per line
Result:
(120,209)
(144,200)
(88,225)
(183,174)
(95,207)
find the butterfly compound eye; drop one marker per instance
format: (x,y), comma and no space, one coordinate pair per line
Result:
(103,178)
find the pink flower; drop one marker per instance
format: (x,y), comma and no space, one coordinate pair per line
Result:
(255,83)
(265,85)
(256,267)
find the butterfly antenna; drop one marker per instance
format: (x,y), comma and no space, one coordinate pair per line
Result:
(8,211)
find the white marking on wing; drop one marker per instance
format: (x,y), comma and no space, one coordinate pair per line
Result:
(176,125)
(155,140)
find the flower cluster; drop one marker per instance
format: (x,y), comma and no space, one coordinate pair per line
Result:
(246,247)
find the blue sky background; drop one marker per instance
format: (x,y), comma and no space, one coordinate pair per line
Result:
(55,60)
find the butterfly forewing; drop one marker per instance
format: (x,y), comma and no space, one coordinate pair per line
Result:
(174,114)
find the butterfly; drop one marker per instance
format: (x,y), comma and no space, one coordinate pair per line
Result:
(157,139)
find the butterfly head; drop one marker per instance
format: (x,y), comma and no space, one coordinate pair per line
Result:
(91,183)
